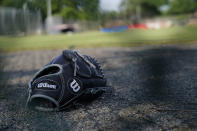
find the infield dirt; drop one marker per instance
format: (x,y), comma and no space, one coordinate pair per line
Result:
(155,88)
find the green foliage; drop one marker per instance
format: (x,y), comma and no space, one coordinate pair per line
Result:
(182,6)
(36,5)
(80,9)
(56,6)
(148,7)
(70,13)
(71,3)
(69,9)
(13,3)
(151,7)
(91,9)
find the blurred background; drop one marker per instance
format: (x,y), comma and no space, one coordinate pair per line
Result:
(84,23)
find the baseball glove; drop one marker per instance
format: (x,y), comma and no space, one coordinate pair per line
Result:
(64,80)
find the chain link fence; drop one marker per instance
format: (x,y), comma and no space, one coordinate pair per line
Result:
(19,21)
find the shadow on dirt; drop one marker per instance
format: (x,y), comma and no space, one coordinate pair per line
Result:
(145,82)
(1,78)
(163,74)
(168,73)
(163,78)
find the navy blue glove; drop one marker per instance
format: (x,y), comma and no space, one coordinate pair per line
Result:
(67,78)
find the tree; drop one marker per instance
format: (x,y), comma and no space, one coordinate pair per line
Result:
(13,3)
(182,6)
(70,13)
(143,8)
(91,9)
(86,9)
(69,9)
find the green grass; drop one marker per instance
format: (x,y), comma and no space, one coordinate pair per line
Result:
(98,39)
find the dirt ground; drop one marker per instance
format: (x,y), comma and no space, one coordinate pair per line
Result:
(155,88)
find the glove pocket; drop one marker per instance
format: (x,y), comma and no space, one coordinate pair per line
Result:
(45,89)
